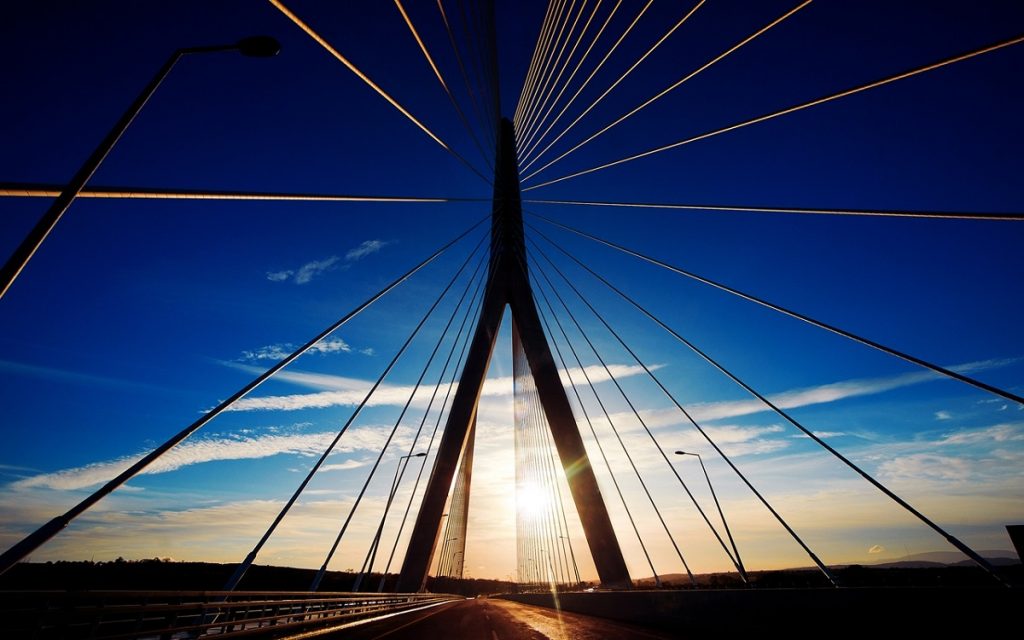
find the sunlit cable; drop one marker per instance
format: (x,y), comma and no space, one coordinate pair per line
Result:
(533,57)
(630,70)
(529,121)
(788,110)
(958,215)
(547,68)
(590,77)
(444,85)
(373,85)
(52,191)
(675,85)
(978,384)
(528,146)
(953,540)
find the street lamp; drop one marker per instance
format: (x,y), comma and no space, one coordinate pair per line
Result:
(380,528)
(575,569)
(394,483)
(443,562)
(718,506)
(254,47)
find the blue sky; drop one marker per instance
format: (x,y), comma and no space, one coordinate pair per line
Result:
(137,315)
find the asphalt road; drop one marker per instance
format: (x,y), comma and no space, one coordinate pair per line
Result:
(495,619)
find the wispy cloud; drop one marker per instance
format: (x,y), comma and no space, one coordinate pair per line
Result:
(832,392)
(278,351)
(822,434)
(925,467)
(346,465)
(305,273)
(348,391)
(943,415)
(367,247)
(279,276)
(212,449)
(310,270)
(1007,432)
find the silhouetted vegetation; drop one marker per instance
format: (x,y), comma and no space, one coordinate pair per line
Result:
(849,576)
(162,575)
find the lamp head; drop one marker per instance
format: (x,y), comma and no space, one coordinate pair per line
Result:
(259,47)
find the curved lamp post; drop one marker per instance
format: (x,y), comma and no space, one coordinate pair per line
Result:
(380,529)
(255,47)
(718,506)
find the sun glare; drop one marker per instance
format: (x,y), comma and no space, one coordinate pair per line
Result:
(531,500)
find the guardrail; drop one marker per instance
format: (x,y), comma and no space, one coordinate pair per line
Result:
(178,615)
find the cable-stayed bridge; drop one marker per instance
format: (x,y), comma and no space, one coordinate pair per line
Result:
(595,469)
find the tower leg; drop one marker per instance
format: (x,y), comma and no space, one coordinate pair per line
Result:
(424,536)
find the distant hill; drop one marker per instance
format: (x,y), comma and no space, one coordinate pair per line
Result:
(999,557)
(929,560)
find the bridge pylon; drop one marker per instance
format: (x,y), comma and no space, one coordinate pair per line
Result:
(509,284)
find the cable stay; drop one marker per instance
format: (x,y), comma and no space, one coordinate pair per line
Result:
(355,505)
(529,120)
(465,68)
(430,446)
(444,85)
(526,162)
(590,424)
(804,105)
(482,15)
(280,6)
(636,413)
(548,68)
(628,71)
(527,80)
(881,213)
(477,296)
(473,304)
(371,554)
(244,566)
(821,566)
(629,456)
(673,86)
(949,373)
(953,540)
(33,190)
(473,102)
(37,538)
(540,58)
(579,64)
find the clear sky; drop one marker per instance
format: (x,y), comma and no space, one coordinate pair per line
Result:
(138,315)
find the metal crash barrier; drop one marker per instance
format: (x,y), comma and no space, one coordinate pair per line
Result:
(174,615)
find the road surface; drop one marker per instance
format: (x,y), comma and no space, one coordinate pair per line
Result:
(495,619)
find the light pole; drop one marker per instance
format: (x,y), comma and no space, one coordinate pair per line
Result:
(460,553)
(380,527)
(575,568)
(256,46)
(448,562)
(718,506)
